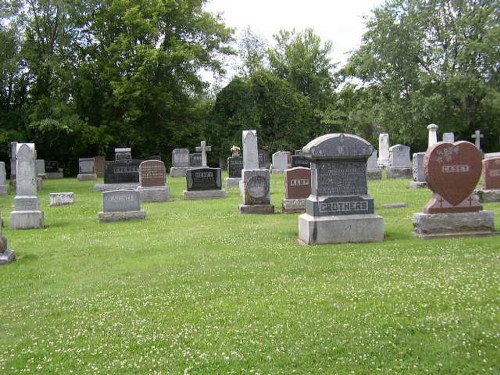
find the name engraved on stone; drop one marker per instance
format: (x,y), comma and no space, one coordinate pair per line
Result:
(300,182)
(126,169)
(494,172)
(121,200)
(463,168)
(336,207)
(204,175)
(341,180)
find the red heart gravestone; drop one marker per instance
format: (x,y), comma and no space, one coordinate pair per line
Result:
(452,171)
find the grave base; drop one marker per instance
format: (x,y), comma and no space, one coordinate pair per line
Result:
(485,196)
(61,199)
(154,194)
(204,194)
(257,209)
(107,217)
(293,206)
(4,189)
(395,172)
(418,185)
(8,256)
(340,229)
(375,174)
(233,182)
(86,176)
(454,224)
(26,219)
(110,187)
(178,171)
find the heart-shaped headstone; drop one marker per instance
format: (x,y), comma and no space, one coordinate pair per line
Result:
(452,170)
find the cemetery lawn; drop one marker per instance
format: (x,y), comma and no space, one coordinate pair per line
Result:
(198,288)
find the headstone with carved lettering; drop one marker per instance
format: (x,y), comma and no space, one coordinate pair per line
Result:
(180,162)
(234,168)
(120,175)
(152,187)
(27,213)
(339,209)
(399,162)
(123,153)
(204,183)
(373,170)
(4,188)
(297,190)
(418,171)
(452,171)
(121,205)
(86,169)
(256,192)
(490,192)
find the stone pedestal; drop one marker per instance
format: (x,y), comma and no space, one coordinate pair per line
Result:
(111,187)
(258,209)
(61,199)
(340,229)
(87,176)
(293,206)
(204,194)
(454,224)
(106,217)
(178,171)
(154,194)
(232,182)
(491,195)
(399,172)
(26,219)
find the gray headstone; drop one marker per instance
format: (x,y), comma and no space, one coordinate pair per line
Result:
(449,137)
(180,157)
(418,167)
(195,159)
(399,156)
(40,167)
(383,147)
(25,170)
(257,187)
(123,153)
(250,150)
(121,200)
(432,137)
(203,149)
(280,161)
(86,165)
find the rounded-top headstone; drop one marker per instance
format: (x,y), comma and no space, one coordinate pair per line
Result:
(338,145)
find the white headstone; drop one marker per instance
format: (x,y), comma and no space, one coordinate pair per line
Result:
(383,146)
(280,161)
(203,148)
(449,137)
(477,136)
(432,134)
(250,149)
(399,156)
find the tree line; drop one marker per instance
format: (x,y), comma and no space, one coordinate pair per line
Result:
(82,77)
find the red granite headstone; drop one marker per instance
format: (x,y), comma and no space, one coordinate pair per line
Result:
(452,171)
(99,165)
(491,173)
(152,173)
(297,183)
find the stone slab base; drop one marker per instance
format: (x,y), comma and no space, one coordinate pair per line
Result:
(293,206)
(257,209)
(154,194)
(54,175)
(26,219)
(178,171)
(232,182)
(4,189)
(107,217)
(418,185)
(204,194)
(61,199)
(340,229)
(454,224)
(110,187)
(486,196)
(8,256)
(374,174)
(393,172)
(87,176)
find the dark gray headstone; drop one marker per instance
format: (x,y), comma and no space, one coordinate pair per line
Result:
(234,166)
(300,161)
(121,171)
(86,165)
(123,153)
(203,179)
(195,160)
(264,159)
(52,166)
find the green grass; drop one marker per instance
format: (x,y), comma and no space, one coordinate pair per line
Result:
(198,288)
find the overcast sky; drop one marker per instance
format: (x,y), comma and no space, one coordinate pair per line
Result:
(340,21)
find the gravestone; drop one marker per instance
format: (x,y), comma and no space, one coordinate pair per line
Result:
(452,171)
(40,168)
(234,167)
(12,155)
(339,209)
(399,162)
(4,188)
(383,149)
(120,175)
(250,151)
(297,190)
(300,161)
(449,137)
(477,137)
(61,199)
(180,162)
(152,187)
(432,136)
(195,160)
(52,170)
(86,169)
(490,191)
(120,205)
(203,149)
(27,213)
(123,153)
(256,192)
(280,162)
(264,159)
(298,152)
(373,170)
(99,165)
(204,183)
(418,171)
(6,255)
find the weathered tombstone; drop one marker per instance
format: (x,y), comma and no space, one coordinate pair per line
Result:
(256,192)
(203,149)
(120,205)
(280,162)
(52,170)
(99,165)
(264,159)
(204,183)
(26,214)
(61,199)
(40,168)
(432,137)
(180,162)
(6,254)
(299,160)
(339,209)
(195,160)
(373,170)
(152,188)
(4,188)
(234,167)
(250,151)
(120,175)
(399,162)
(452,171)
(123,153)
(297,190)
(418,171)
(449,137)
(86,169)
(490,191)
(477,137)
(383,148)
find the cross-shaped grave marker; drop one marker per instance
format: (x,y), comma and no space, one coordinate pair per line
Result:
(477,136)
(204,149)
